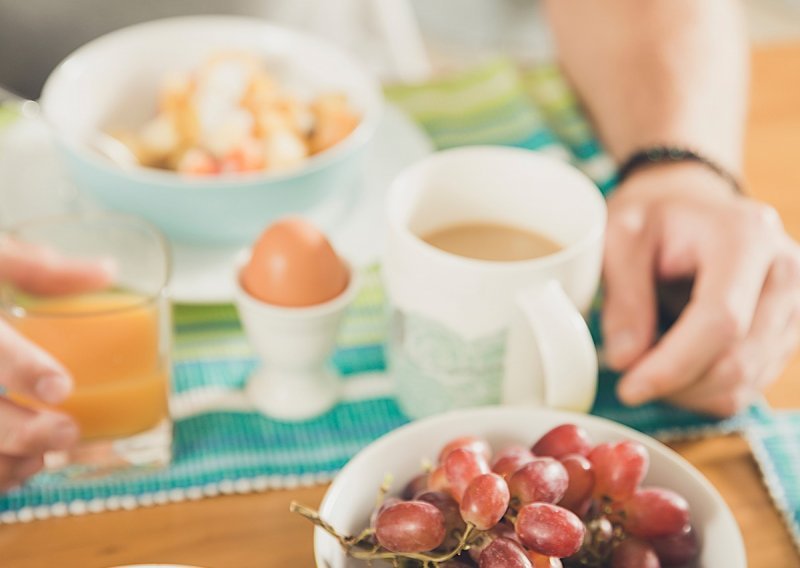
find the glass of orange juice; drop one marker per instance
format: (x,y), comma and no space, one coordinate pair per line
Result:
(115,342)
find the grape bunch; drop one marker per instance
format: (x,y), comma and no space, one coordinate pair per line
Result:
(563,503)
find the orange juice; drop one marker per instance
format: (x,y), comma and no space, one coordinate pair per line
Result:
(111,343)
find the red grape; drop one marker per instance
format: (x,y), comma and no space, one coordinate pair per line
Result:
(504,553)
(437,480)
(618,469)
(634,553)
(479,544)
(485,501)
(581,483)
(453,523)
(542,480)
(549,529)
(410,526)
(500,530)
(510,460)
(512,450)
(539,561)
(377,511)
(470,443)
(678,549)
(562,440)
(655,512)
(418,484)
(461,467)
(506,530)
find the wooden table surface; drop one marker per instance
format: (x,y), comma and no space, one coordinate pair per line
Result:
(257,530)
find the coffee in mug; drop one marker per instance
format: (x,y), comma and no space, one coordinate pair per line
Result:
(491,241)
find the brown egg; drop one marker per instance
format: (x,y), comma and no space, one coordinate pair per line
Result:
(294,265)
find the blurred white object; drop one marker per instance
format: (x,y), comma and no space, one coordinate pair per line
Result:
(384,34)
(461,33)
(33,181)
(400,54)
(397,21)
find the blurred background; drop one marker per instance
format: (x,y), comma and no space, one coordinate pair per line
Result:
(398,39)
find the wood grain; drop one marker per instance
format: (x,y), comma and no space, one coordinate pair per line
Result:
(256,531)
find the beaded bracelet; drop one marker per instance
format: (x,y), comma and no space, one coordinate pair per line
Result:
(671,154)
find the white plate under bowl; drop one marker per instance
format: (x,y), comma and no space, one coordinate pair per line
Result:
(350,499)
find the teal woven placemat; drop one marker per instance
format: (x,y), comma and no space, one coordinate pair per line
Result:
(775,441)
(223,446)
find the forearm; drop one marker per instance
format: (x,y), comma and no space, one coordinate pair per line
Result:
(658,71)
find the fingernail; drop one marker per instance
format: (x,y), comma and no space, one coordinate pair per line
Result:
(53,388)
(65,434)
(620,346)
(634,393)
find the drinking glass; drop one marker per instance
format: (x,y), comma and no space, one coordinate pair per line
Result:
(115,342)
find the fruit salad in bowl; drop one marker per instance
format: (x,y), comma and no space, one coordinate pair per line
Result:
(231,115)
(522,488)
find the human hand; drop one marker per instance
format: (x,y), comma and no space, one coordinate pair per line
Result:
(25,369)
(742,322)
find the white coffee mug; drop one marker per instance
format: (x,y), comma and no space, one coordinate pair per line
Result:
(469,332)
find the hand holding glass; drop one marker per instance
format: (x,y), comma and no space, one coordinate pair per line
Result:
(112,337)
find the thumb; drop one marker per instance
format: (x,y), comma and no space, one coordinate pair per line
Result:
(629,303)
(28,370)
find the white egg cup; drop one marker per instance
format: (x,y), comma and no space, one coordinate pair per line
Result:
(294,344)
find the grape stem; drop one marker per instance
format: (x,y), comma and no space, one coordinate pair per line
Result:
(383,490)
(350,544)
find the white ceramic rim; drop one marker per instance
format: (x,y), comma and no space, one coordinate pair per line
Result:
(398,191)
(477,415)
(363,132)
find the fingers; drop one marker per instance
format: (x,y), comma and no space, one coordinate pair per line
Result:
(38,270)
(727,388)
(25,435)
(28,370)
(25,432)
(629,305)
(720,313)
(719,404)
(737,377)
(733,271)
(14,471)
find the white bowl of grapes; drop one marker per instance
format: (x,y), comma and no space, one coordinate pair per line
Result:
(522,487)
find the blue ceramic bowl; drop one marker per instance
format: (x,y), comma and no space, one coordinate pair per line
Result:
(111,84)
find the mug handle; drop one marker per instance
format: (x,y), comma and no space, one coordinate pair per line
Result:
(550,356)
